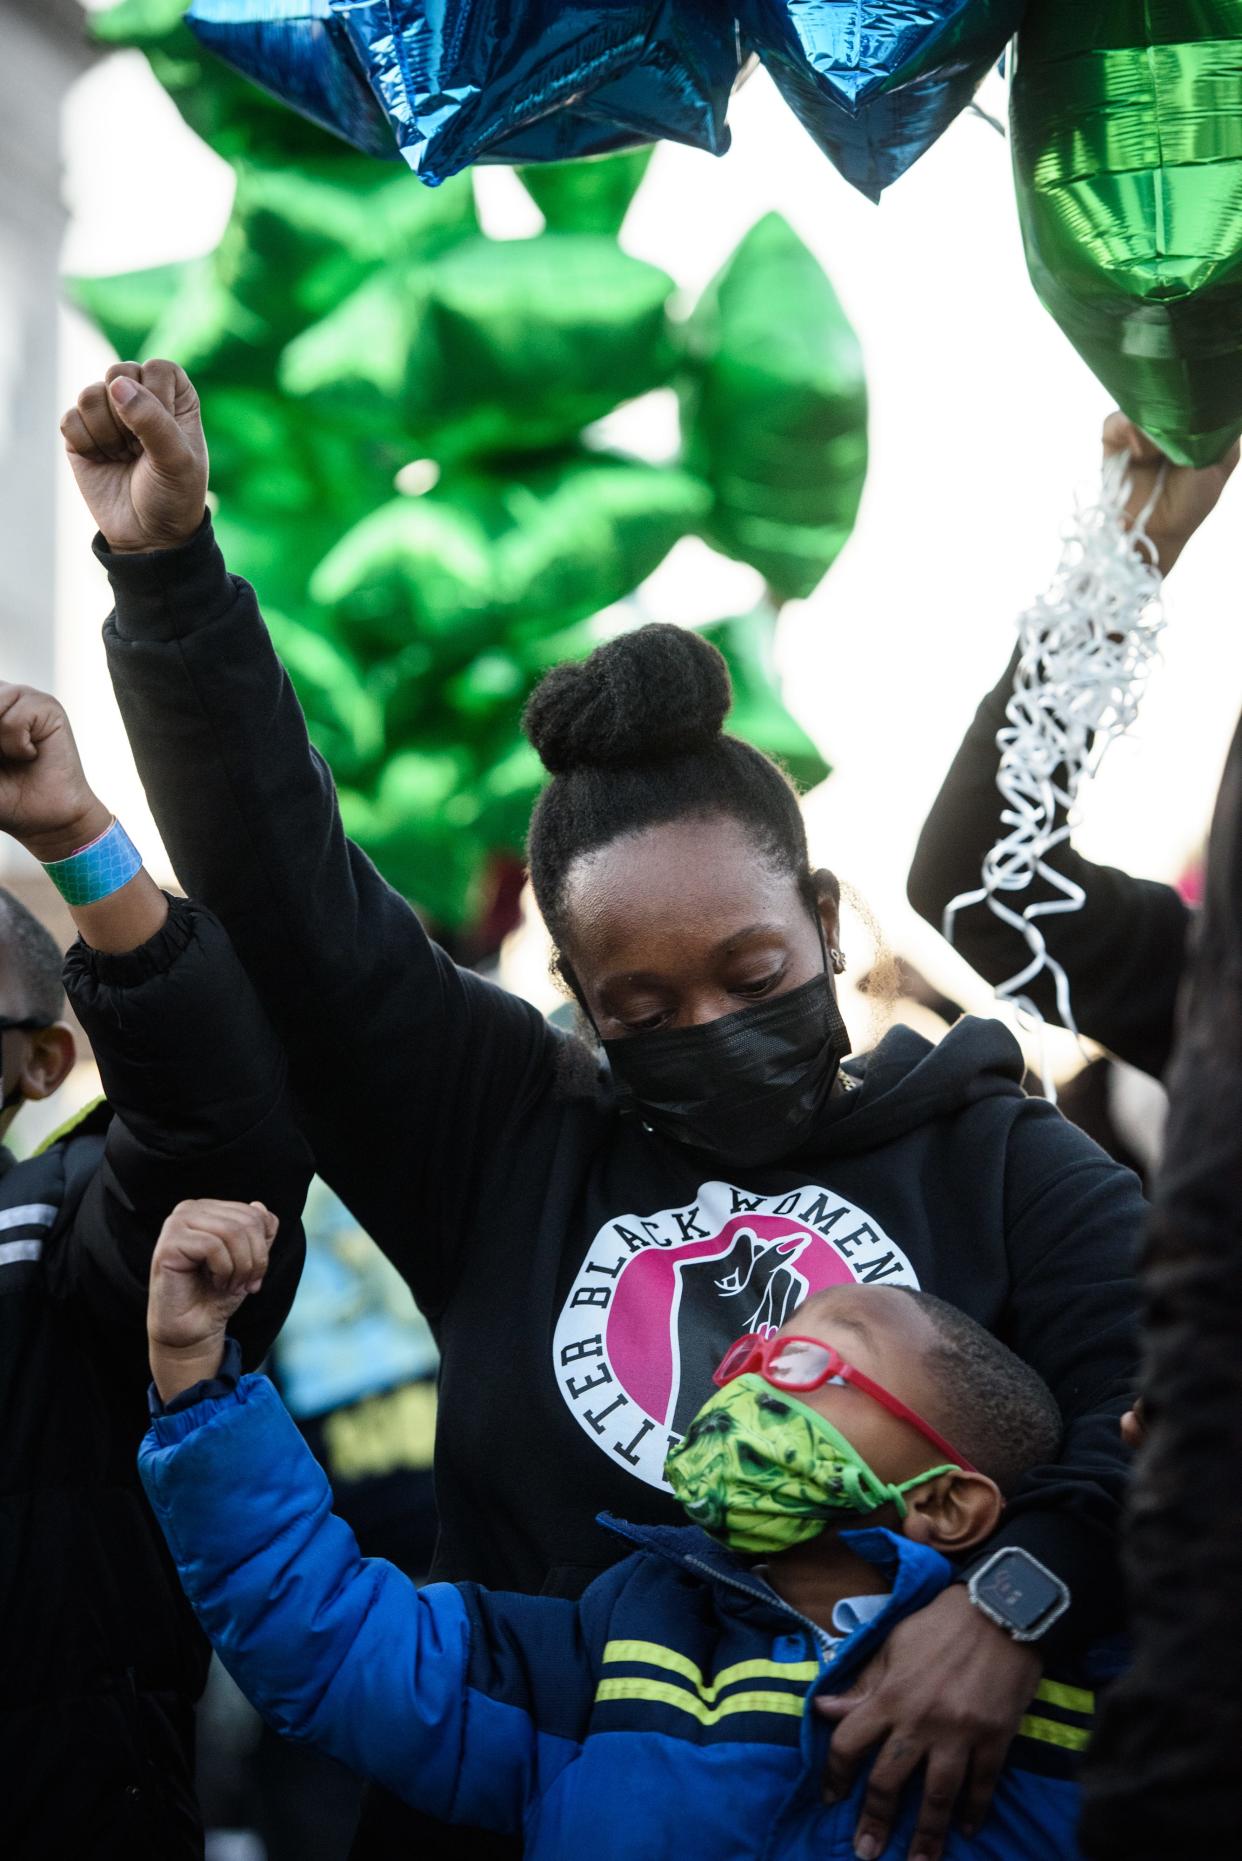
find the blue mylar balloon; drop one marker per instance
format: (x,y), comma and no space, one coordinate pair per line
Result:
(458,78)
(297,50)
(677,92)
(680,88)
(876,82)
(458,81)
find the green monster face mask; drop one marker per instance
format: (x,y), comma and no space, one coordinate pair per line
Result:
(762,1471)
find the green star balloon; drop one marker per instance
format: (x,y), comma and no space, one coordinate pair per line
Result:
(517,557)
(590,196)
(499,346)
(1126,124)
(758,714)
(774,408)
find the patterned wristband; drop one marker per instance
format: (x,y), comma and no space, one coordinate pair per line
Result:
(97,870)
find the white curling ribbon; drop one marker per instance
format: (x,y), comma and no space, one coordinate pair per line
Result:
(1087,646)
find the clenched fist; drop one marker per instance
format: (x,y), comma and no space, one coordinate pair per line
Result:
(46,802)
(209,1257)
(135,442)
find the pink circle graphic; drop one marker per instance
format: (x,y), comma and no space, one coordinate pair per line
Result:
(640,1330)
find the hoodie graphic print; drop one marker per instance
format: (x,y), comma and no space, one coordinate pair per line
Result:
(659,1298)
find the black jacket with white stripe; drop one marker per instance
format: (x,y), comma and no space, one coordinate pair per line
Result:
(100,1660)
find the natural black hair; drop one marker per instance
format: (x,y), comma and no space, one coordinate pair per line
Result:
(633,738)
(992,1405)
(33,959)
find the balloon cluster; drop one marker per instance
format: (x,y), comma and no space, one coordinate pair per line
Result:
(398,412)
(1125,120)
(446,83)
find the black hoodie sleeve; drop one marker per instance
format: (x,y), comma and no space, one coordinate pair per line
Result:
(1123,951)
(405,1068)
(196,1080)
(1073,1222)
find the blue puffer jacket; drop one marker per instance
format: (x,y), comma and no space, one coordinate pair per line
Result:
(670,1705)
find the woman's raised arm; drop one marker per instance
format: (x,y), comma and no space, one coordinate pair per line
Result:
(403,1066)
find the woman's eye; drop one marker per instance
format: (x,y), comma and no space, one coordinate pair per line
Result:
(649,1023)
(762,986)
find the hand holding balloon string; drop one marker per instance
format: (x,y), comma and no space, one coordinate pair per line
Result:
(1086,647)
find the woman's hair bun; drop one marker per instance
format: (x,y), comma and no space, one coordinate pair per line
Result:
(644,697)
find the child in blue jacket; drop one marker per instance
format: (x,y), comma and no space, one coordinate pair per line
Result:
(687,1697)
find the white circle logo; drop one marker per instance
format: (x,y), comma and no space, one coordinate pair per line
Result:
(658,1299)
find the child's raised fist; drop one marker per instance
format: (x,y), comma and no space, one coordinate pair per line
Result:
(209,1256)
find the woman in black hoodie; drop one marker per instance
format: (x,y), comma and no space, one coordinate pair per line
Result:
(609,1231)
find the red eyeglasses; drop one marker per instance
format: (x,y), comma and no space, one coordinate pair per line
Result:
(800,1364)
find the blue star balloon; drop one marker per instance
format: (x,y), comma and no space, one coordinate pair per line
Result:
(458,81)
(297,50)
(875,82)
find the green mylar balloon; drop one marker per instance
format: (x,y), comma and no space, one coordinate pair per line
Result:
(1126,122)
(774,410)
(591,195)
(420,829)
(523,554)
(126,305)
(758,715)
(302,238)
(494,346)
(345,719)
(287,488)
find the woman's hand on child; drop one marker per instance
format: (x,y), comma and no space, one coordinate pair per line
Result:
(947,1689)
(135,442)
(1187,496)
(46,802)
(210,1256)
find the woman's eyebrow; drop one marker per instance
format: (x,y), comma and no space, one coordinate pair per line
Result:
(752,930)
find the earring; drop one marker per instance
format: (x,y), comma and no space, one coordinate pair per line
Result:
(838,962)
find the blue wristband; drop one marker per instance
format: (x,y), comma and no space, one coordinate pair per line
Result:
(97,870)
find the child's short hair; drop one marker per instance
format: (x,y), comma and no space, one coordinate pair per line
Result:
(1003,1416)
(33,959)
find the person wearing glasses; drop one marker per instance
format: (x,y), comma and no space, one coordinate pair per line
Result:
(587,1222)
(840,1472)
(100,1659)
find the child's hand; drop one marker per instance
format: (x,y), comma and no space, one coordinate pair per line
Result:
(209,1256)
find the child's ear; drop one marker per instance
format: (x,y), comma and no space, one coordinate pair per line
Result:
(49,1060)
(954,1512)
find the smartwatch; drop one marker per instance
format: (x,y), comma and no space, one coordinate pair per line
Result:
(1017,1592)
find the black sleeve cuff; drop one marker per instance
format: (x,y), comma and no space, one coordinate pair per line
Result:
(161,594)
(127,969)
(223,1383)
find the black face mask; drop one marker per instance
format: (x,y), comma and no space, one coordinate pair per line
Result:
(749,1087)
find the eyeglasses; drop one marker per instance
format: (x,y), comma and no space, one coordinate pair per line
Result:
(28,1026)
(801,1364)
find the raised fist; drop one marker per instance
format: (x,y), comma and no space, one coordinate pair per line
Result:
(45,800)
(135,442)
(209,1257)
